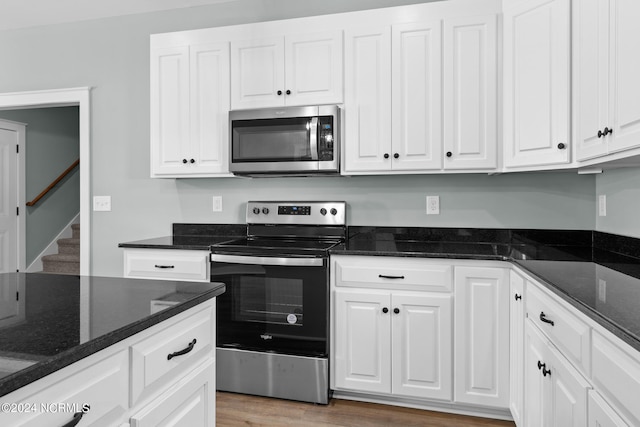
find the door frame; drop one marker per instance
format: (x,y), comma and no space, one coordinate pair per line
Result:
(20,130)
(69,97)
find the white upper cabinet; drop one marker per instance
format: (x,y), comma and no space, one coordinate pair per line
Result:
(367,124)
(607,66)
(397,97)
(536,83)
(470,92)
(416,100)
(302,69)
(189,106)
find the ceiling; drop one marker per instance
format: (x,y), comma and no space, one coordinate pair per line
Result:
(32,13)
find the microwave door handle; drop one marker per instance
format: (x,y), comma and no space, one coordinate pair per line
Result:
(313,138)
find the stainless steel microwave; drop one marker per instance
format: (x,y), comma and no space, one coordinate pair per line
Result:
(285,141)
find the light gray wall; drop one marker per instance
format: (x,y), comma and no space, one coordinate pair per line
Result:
(52,140)
(112,56)
(622,188)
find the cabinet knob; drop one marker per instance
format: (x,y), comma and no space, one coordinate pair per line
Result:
(607,131)
(518,297)
(385,310)
(541,365)
(288,92)
(449,154)
(396,155)
(192,161)
(184,160)
(561,146)
(600,134)
(386,155)
(279,92)
(396,310)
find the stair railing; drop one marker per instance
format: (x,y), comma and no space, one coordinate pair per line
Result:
(53,184)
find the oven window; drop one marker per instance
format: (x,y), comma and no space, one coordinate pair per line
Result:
(269,301)
(280,140)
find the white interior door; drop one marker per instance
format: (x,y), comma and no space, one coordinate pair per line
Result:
(11,135)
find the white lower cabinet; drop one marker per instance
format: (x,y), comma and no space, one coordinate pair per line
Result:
(556,392)
(188,404)
(104,389)
(517,287)
(601,414)
(393,342)
(482,336)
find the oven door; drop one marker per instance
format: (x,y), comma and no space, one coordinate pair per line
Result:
(272,304)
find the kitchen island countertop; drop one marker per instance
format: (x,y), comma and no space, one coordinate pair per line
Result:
(60,319)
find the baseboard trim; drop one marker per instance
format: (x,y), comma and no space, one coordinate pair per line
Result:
(430,405)
(52,248)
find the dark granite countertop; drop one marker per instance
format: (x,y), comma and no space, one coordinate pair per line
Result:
(571,263)
(191,237)
(60,319)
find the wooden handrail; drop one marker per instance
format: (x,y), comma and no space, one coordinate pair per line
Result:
(53,184)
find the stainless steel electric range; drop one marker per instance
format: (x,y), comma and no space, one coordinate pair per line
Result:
(273,319)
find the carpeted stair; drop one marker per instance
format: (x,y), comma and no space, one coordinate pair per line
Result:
(67,260)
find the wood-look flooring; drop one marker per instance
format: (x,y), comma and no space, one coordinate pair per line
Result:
(234,410)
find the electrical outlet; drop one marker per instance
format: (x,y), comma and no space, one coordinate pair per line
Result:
(433,205)
(217,203)
(602,205)
(102,203)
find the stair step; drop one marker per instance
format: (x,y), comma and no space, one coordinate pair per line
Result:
(75,229)
(61,263)
(69,246)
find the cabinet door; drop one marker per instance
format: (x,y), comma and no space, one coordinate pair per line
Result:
(191,403)
(362,339)
(470,92)
(601,414)
(624,71)
(421,345)
(209,71)
(257,73)
(591,76)
(516,347)
(313,69)
(536,83)
(417,96)
(569,389)
(169,100)
(536,390)
(367,99)
(482,336)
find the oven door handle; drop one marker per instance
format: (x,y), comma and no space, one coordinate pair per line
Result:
(256,260)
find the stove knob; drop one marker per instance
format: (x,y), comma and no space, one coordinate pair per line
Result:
(256,211)
(333,211)
(265,211)
(323,211)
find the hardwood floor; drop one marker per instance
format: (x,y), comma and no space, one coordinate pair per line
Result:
(241,410)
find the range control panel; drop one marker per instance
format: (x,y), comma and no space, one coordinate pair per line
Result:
(303,213)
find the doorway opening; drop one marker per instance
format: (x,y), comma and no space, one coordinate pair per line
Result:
(78,97)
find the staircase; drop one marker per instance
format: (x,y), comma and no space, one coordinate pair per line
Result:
(67,260)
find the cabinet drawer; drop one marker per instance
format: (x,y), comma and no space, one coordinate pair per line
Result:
(565,331)
(394,273)
(154,361)
(101,384)
(167,264)
(616,375)
(190,403)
